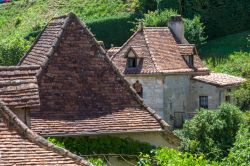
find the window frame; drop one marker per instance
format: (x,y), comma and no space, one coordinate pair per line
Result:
(203,102)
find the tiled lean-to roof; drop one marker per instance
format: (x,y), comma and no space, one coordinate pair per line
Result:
(21,146)
(220,79)
(18,86)
(81,91)
(162,54)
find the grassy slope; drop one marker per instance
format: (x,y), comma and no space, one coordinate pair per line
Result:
(23,16)
(220,53)
(222,47)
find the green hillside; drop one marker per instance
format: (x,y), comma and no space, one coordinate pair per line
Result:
(229,54)
(25,16)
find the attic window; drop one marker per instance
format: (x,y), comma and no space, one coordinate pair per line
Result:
(131,62)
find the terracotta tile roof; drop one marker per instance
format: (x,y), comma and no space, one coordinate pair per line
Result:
(18,86)
(186,49)
(220,79)
(81,91)
(43,46)
(112,51)
(162,54)
(21,146)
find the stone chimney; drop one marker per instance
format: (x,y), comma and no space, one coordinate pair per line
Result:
(177,27)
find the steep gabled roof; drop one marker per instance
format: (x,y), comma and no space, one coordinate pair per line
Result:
(164,54)
(220,79)
(18,86)
(113,106)
(21,146)
(43,46)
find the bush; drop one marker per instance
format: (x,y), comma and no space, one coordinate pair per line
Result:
(220,17)
(211,132)
(165,156)
(242,96)
(152,5)
(102,145)
(240,153)
(194,29)
(12,49)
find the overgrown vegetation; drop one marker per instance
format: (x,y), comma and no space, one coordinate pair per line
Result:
(165,156)
(211,132)
(102,145)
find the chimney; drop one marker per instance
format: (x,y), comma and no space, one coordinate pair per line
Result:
(176,26)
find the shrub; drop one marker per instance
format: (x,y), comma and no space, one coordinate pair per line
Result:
(240,152)
(194,29)
(211,132)
(242,96)
(165,156)
(12,49)
(101,145)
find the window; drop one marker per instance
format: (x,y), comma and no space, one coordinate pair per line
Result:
(204,102)
(138,88)
(131,62)
(227,98)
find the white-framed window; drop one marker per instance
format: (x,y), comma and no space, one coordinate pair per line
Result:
(203,102)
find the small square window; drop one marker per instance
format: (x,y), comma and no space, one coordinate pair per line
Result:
(203,101)
(131,62)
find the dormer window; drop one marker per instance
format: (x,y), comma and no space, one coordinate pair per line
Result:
(131,62)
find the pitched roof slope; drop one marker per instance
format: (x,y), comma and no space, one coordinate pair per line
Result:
(21,146)
(18,86)
(220,79)
(163,52)
(43,46)
(82,92)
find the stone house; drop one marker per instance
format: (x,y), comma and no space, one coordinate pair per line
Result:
(173,79)
(21,146)
(66,85)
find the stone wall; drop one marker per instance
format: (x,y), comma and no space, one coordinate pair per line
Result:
(176,93)
(215,95)
(152,91)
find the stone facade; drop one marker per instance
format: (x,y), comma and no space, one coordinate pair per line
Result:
(176,97)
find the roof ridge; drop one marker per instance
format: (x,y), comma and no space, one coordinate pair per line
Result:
(21,128)
(150,52)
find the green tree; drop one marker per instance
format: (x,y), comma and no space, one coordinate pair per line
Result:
(211,132)
(242,96)
(240,152)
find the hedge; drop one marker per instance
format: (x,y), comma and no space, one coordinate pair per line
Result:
(113,30)
(221,17)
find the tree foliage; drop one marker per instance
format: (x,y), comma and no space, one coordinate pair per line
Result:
(194,29)
(166,156)
(211,132)
(221,17)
